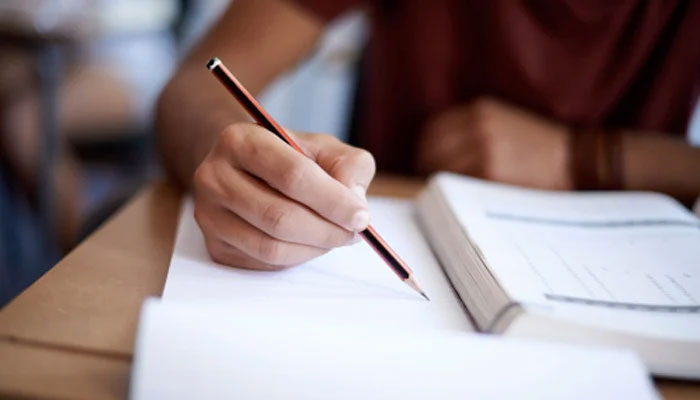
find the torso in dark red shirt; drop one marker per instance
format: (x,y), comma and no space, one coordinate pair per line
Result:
(590,64)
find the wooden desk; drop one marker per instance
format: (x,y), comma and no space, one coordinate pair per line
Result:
(71,334)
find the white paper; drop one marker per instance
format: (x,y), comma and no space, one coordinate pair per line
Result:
(199,350)
(347,283)
(343,326)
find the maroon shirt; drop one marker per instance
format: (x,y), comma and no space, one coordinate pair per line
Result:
(591,63)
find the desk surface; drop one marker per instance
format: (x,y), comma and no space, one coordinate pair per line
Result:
(71,334)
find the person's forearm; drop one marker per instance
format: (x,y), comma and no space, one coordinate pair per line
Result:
(661,164)
(191,113)
(258,40)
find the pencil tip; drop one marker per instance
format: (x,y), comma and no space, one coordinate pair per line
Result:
(414,285)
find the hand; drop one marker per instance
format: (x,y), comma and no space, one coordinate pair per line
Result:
(262,205)
(499,142)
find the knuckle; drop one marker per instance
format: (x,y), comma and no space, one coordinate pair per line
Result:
(366,159)
(200,216)
(292,176)
(274,220)
(269,251)
(233,136)
(215,250)
(325,139)
(198,178)
(321,139)
(201,176)
(216,254)
(354,164)
(206,181)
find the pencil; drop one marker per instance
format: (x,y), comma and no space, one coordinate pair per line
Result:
(261,117)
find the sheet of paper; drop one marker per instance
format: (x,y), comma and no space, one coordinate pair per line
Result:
(186,351)
(347,283)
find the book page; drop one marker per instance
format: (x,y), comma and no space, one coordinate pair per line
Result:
(350,282)
(638,268)
(186,351)
(635,251)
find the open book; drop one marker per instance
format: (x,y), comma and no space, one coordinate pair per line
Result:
(613,268)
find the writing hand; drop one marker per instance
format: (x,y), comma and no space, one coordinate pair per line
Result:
(262,205)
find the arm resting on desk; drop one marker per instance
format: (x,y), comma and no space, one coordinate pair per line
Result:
(505,143)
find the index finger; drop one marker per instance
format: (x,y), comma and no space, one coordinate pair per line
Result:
(296,176)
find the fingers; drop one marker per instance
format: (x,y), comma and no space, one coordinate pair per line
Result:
(222,253)
(233,241)
(262,205)
(296,176)
(266,209)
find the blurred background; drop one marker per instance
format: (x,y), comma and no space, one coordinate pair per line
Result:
(78,83)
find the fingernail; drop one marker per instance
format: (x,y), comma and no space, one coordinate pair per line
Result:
(360,220)
(360,191)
